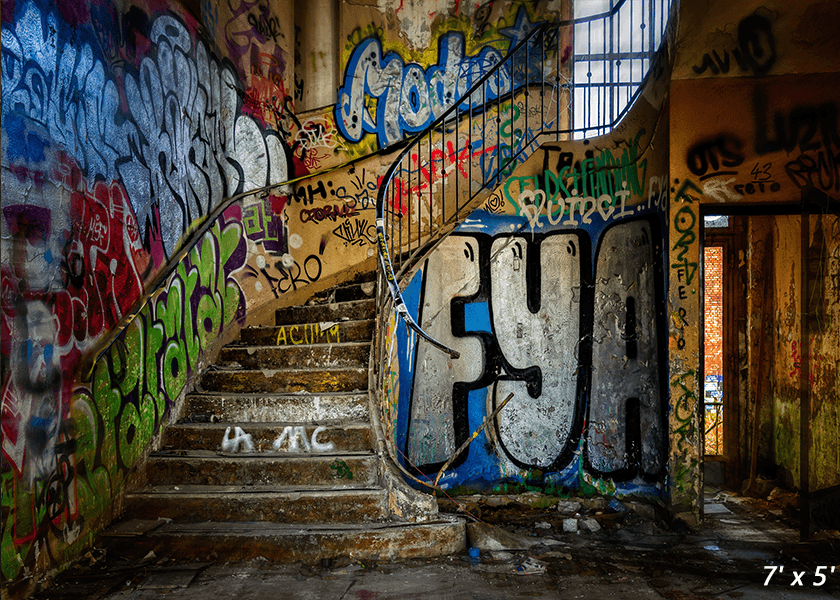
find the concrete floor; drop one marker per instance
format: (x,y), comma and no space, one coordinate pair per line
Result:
(729,556)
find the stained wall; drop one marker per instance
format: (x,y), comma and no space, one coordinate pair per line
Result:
(754,122)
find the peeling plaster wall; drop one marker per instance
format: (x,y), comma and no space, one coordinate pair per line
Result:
(761,349)
(780,367)
(824,378)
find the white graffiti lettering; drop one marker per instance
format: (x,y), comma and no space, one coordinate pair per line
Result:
(296,437)
(175,139)
(407,97)
(240,438)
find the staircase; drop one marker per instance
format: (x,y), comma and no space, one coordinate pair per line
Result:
(276,456)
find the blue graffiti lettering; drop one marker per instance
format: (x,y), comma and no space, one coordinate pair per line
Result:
(409,98)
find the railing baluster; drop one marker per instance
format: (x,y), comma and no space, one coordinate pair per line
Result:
(390,232)
(527,93)
(484,131)
(498,126)
(542,78)
(442,173)
(510,108)
(408,206)
(431,178)
(469,151)
(558,85)
(456,170)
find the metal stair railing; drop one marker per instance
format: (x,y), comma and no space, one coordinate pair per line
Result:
(443,172)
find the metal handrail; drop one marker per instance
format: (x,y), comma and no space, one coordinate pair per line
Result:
(449,122)
(103,345)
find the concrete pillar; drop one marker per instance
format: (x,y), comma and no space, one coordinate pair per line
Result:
(316,53)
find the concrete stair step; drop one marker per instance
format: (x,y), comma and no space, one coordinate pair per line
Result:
(203,467)
(283,543)
(317,313)
(210,503)
(310,356)
(301,408)
(340,379)
(349,292)
(324,332)
(339,436)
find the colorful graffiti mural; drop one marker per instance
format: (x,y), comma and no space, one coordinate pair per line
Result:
(527,319)
(121,132)
(166,124)
(70,445)
(383,95)
(553,292)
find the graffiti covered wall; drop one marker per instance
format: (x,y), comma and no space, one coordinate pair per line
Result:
(121,132)
(123,129)
(772,140)
(552,292)
(400,73)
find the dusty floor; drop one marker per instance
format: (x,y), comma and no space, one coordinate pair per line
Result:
(744,549)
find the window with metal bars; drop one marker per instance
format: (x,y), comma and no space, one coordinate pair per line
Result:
(611,59)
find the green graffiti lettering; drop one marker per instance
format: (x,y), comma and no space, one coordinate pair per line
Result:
(229,241)
(190,279)
(507,124)
(684,222)
(208,318)
(134,431)
(342,471)
(175,357)
(252,219)
(130,367)
(684,410)
(682,194)
(154,342)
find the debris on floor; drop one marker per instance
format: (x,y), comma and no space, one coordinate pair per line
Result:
(540,545)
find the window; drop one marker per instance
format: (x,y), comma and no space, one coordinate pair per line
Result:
(611,59)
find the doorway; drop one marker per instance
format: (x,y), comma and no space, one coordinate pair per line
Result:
(723,314)
(774,394)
